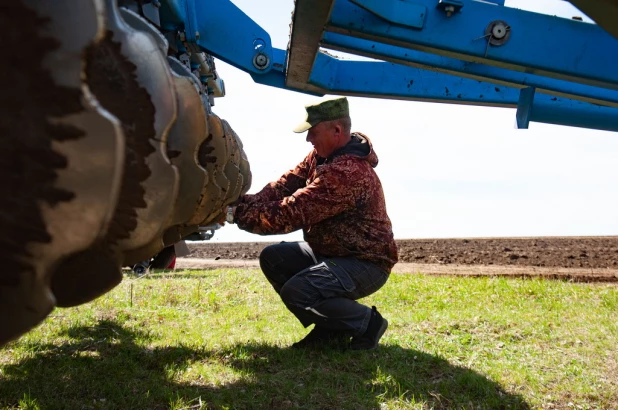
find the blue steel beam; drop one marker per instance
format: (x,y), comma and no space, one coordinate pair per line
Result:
(393,81)
(539,44)
(475,71)
(387,80)
(579,113)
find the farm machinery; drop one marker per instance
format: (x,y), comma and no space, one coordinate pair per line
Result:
(112,151)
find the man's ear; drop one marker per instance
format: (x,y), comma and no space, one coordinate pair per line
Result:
(338,129)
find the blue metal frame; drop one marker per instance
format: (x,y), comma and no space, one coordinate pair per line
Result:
(475,71)
(569,77)
(539,44)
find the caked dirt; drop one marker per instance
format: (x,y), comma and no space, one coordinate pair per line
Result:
(578,259)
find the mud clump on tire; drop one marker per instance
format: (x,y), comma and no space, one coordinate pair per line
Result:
(112,79)
(30,99)
(28,163)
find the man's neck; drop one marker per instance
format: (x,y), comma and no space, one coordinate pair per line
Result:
(344,141)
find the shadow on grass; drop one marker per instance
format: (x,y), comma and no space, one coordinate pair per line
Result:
(109,366)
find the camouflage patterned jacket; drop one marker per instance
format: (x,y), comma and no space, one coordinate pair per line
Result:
(337,201)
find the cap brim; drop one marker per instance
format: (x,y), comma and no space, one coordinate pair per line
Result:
(302,127)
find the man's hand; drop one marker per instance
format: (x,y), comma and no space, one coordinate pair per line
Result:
(222,219)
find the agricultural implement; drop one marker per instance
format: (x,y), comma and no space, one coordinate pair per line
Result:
(112,151)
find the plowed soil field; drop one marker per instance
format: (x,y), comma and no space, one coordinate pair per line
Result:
(585,259)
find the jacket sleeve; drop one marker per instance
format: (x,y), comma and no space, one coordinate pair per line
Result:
(332,192)
(289,183)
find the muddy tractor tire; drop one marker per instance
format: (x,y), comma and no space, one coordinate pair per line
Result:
(111,154)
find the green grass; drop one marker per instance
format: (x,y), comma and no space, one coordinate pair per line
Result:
(219,339)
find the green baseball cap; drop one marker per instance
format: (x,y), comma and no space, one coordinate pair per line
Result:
(327,110)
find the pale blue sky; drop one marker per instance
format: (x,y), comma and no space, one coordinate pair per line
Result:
(447,170)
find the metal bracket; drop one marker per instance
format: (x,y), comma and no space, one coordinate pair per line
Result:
(222,30)
(261,61)
(524,107)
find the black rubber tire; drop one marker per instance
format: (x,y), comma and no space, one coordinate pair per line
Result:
(164,258)
(139,269)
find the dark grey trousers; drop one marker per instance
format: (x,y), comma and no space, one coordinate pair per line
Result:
(322,290)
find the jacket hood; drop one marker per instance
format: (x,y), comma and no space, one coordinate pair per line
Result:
(359,145)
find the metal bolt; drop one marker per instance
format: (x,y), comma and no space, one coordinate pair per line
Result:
(449,10)
(261,61)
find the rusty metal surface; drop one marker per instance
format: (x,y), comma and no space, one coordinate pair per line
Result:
(310,16)
(235,173)
(245,168)
(232,168)
(212,155)
(186,136)
(188,132)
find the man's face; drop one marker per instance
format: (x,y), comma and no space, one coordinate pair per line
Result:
(322,137)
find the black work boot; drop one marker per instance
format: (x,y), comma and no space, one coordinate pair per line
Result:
(319,337)
(375,329)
